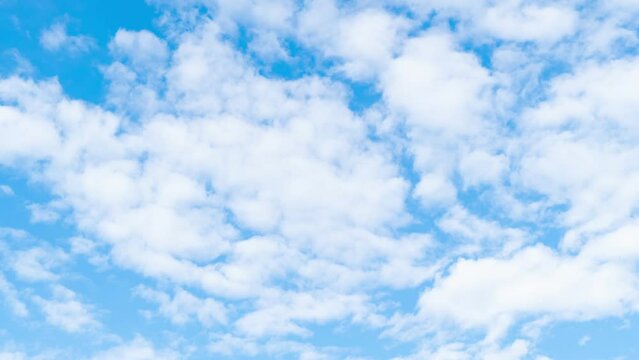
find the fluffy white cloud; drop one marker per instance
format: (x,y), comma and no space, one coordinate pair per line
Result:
(349,40)
(56,38)
(437,86)
(42,139)
(135,77)
(493,293)
(578,149)
(445,97)
(37,263)
(65,311)
(142,48)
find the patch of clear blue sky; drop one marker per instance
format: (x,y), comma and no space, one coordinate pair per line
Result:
(611,338)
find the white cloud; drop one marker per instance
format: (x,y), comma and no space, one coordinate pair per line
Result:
(44,213)
(91,249)
(11,297)
(578,149)
(453,351)
(37,263)
(13,234)
(480,235)
(227,345)
(268,46)
(12,355)
(437,86)
(493,293)
(135,77)
(513,21)
(346,36)
(594,91)
(55,38)
(21,65)
(181,307)
(584,340)
(142,48)
(138,349)
(479,167)
(6,190)
(447,105)
(42,139)
(65,311)
(435,189)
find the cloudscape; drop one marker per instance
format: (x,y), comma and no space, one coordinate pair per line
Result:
(319,179)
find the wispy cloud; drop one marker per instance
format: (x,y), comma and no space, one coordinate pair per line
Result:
(56,38)
(6,190)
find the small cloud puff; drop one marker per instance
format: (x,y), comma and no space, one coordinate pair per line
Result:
(65,311)
(6,190)
(56,38)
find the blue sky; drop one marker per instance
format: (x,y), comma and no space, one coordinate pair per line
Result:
(321,179)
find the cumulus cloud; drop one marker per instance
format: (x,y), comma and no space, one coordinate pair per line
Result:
(437,86)
(493,293)
(349,39)
(587,120)
(142,48)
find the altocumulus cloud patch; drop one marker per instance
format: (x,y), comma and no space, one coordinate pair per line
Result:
(319,180)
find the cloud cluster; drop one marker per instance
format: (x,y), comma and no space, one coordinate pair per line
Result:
(261,205)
